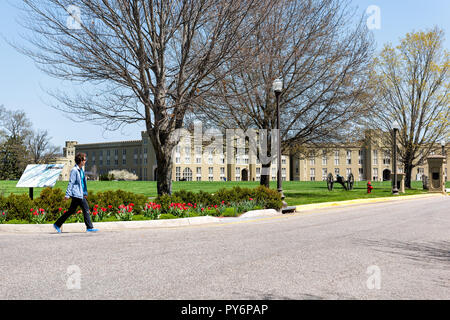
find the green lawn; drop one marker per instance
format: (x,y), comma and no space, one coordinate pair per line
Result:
(296,192)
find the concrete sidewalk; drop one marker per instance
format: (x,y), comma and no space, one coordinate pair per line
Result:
(182,222)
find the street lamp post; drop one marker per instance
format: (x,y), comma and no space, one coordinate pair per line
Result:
(443,147)
(277,87)
(395,126)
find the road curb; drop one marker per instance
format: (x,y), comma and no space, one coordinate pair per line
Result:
(313,206)
(130,225)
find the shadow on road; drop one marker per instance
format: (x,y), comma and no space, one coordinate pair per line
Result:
(430,252)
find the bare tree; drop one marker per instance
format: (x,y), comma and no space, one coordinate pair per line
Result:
(14,124)
(39,147)
(411,86)
(15,129)
(138,60)
(323,59)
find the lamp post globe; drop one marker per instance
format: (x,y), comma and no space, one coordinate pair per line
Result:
(277,85)
(443,146)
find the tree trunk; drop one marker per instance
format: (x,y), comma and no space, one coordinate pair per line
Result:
(163,147)
(264,154)
(408,173)
(164,170)
(265,179)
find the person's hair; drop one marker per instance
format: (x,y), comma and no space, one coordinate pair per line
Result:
(79,157)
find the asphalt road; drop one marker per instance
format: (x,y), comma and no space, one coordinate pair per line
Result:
(397,250)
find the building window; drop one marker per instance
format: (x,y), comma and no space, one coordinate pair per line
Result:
(187,155)
(312,174)
(324,158)
(336,158)
(360,156)
(387,157)
(336,171)
(135,156)
(420,172)
(312,160)
(324,174)
(349,157)
(177,173)
(187,174)
(349,171)
(199,173)
(361,174)
(375,174)
(375,157)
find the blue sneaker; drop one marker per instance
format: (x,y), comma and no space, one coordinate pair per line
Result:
(58,229)
(91,230)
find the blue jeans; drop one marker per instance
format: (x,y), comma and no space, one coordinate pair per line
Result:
(76,202)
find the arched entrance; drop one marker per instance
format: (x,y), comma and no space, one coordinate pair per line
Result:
(386,174)
(187,174)
(244,175)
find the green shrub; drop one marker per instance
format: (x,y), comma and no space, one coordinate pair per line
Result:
(116,198)
(51,199)
(166,200)
(167,216)
(18,206)
(268,198)
(3,216)
(230,212)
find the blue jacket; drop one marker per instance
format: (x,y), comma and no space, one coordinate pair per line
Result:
(75,186)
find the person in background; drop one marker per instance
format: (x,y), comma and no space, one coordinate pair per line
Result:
(77,191)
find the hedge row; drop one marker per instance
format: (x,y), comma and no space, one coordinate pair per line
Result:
(17,206)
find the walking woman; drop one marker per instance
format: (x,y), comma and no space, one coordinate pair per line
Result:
(77,190)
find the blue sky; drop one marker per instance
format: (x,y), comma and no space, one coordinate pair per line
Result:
(22,83)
